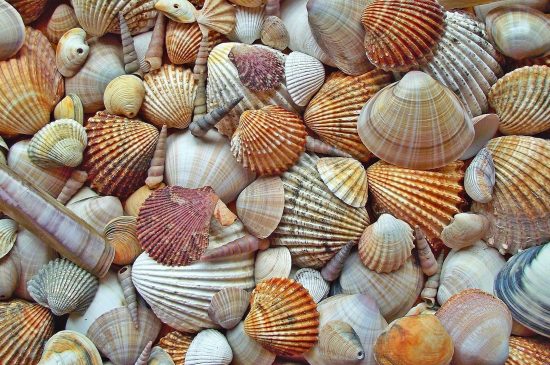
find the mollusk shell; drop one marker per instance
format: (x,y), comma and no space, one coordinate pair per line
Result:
(121,233)
(71,52)
(183,41)
(304,77)
(12,29)
(70,107)
(124,95)
(245,350)
(339,342)
(93,209)
(528,351)
(209,347)
(274,262)
(481,11)
(176,344)
(346,178)
(228,306)
(62,20)
(274,33)
(464,230)
(8,235)
(485,127)
(259,69)
(30,10)
(249,22)
(480,177)
(70,348)
(312,280)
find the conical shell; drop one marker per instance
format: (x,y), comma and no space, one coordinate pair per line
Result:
(274,33)
(480,178)
(428,199)
(183,40)
(304,77)
(522,100)
(339,342)
(312,280)
(346,178)
(12,30)
(72,52)
(479,325)
(176,344)
(125,278)
(8,235)
(283,317)
(400,35)
(119,153)
(70,107)
(481,11)
(274,262)
(30,10)
(60,143)
(245,350)
(333,113)
(243,245)
(315,223)
(124,95)
(121,233)
(62,20)
(426,257)
(249,23)
(464,230)
(331,271)
(31,87)
(209,347)
(24,327)
(70,348)
(131,62)
(528,351)
(155,174)
(429,293)
(228,306)
(95,210)
(520,210)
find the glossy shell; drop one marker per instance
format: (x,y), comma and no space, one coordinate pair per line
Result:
(70,348)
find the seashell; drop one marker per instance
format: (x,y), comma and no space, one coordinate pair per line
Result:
(464,230)
(414,340)
(312,280)
(200,74)
(131,62)
(63,287)
(70,348)
(13,31)
(62,20)
(180,11)
(96,210)
(228,306)
(104,63)
(485,127)
(521,285)
(136,199)
(518,31)
(479,325)
(259,69)
(72,52)
(433,106)
(203,123)
(429,293)
(525,351)
(155,174)
(246,350)
(125,279)
(70,107)
(24,327)
(318,146)
(159,357)
(456,4)
(60,143)
(141,45)
(339,342)
(520,207)
(272,263)
(248,3)
(176,344)
(315,223)
(283,317)
(183,39)
(520,98)
(333,112)
(31,87)
(114,165)
(249,23)
(274,33)
(243,245)
(407,40)
(217,15)
(4,149)
(124,95)
(474,267)
(331,271)
(304,77)
(435,199)
(481,11)
(346,178)
(479,178)
(169,95)
(153,56)
(426,257)
(8,235)
(29,10)
(143,358)
(223,214)
(520,330)
(209,347)
(9,277)
(273,8)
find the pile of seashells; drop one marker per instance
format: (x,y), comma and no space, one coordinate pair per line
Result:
(257,182)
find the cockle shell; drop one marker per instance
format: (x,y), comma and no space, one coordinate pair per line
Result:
(274,262)
(249,23)
(121,233)
(217,15)
(209,347)
(245,350)
(12,29)
(274,33)
(304,77)
(119,153)
(70,107)
(346,178)
(8,235)
(333,112)
(182,41)
(124,95)
(62,20)
(400,35)
(528,351)
(315,284)
(70,348)
(228,306)
(72,52)
(176,344)
(24,327)
(339,342)
(315,223)
(31,88)
(521,100)
(464,230)
(30,10)
(480,178)
(481,11)
(95,210)
(259,69)
(283,317)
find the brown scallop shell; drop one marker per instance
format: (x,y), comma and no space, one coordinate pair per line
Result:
(183,39)
(176,344)
(528,351)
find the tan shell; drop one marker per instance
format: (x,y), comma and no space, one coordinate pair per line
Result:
(70,348)
(155,174)
(209,347)
(128,289)
(182,41)
(249,23)
(121,233)
(479,178)
(272,263)
(95,210)
(72,52)
(123,96)
(8,235)
(528,351)
(228,307)
(62,20)
(245,350)
(136,199)
(248,3)
(485,127)
(429,293)
(315,284)
(426,257)
(12,30)
(30,10)
(176,344)
(346,178)
(70,107)
(331,271)
(464,230)
(274,33)
(339,342)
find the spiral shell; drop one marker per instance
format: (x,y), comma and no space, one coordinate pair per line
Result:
(72,52)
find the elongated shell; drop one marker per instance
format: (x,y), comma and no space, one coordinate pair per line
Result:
(125,278)
(304,77)
(331,271)
(528,351)
(176,344)
(464,230)
(228,306)
(8,235)
(72,52)
(274,33)
(209,347)
(346,178)
(249,22)
(70,348)
(70,107)
(29,10)
(479,179)
(431,286)
(124,95)
(246,350)
(62,20)
(274,262)
(12,29)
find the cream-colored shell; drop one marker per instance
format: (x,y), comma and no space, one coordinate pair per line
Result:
(346,178)
(12,30)
(209,347)
(249,24)
(339,342)
(464,230)
(95,210)
(72,52)
(272,263)
(70,348)
(123,96)
(8,235)
(304,77)
(274,33)
(312,280)
(481,11)
(479,178)
(247,351)
(70,107)
(485,127)
(248,3)
(228,306)
(62,20)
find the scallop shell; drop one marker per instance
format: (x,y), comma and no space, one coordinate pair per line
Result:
(217,15)
(522,100)
(124,95)
(274,33)
(520,210)
(30,10)
(464,230)
(70,348)
(431,204)
(182,41)
(315,223)
(228,306)
(312,280)
(245,350)
(176,344)
(119,153)
(62,20)
(304,77)
(480,178)
(249,23)
(346,178)
(333,113)
(8,235)
(259,69)
(274,262)
(31,87)
(70,107)
(72,52)
(269,141)
(528,351)
(339,342)
(209,347)
(95,210)
(121,233)
(283,317)
(400,35)
(12,30)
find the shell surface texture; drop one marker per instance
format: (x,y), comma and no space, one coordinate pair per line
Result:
(528,350)
(176,344)
(12,29)
(480,177)
(8,235)
(62,20)
(346,178)
(70,348)
(70,107)
(228,306)
(72,52)
(124,95)
(259,69)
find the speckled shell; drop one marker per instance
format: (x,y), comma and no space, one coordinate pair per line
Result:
(70,107)
(400,34)
(24,328)
(209,347)
(312,280)
(283,317)
(245,350)
(528,351)
(8,235)
(520,210)
(124,95)
(62,20)
(228,306)
(70,348)
(249,23)
(183,40)
(522,100)
(315,223)
(333,112)
(31,87)
(346,178)
(121,233)
(30,10)
(304,77)
(274,33)
(12,29)
(176,344)
(71,52)
(119,153)
(274,262)
(259,68)
(480,178)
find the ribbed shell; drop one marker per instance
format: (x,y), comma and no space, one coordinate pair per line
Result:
(119,153)
(275,262)
(247,351)
(209,347)
(173,223)
(312,280)
(269,141)
(528,351)
(12,30)
(304,77)
(249,22)
(30,87)
(315,223)
(70,348)
(24,328)
(346,178)
(339,342)
(63,287)
(522,100)
(183,40)
(176,344)
(30,10)
(479,178)
(8,235)
(520,210)
(124,95)
(259,69)
(333,112)
(283,317)
(169,96)
(62,20)
(228,306)
(274,33)
(400,34)
(428,199)
(121,233)
(70,107)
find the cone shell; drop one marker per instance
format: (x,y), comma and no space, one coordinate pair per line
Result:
(121,233)
(346,178)
(339,342)
(70,348)
(124,96)
(249,22)
(400,35)
(274,262)
(12,30)
(431,204)
(522,100)
(245,350)
(31,87)
(209,347)
(333,113)
(480,178)
(183,40)
(70,107)
(119,153)
(62,20)
(8,235)
(24,327)
(520,210)
(312,280)
(176,344)
(283,317)
(315,223)
(228,306)
(528,351)
(30,10)
(274,33)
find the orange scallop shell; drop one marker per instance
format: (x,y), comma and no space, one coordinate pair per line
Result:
(176,345)
(30,10)
(528,351)
(183,40)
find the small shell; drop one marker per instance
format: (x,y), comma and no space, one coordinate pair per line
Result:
(143,358)
(274,33)
(202,124)
(425,255)
(125,279)
(12,30)
(160,357)
(272,263)
(339,342)
(249,22)
(243,245)
(62,20)
(70,107)
(331,271)
(29,10)
(209,347)
(72,52)
(8,235)
(182,41)
(124,95)
(181,11)
(464,230)
(228,307)
(346,178)
(70,348)
(155,174)
(246,351)
(217,15)
(318,146)
(259,69)
(528,351)
(479,178)
(304,77)
(429,293)
(131,62)
(63,287)
(312,280)
(176,344)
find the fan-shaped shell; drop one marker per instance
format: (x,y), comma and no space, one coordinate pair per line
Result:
(259,69)
(121,233)
(70,107)
(245,350)
(346,178)
(274,262)
(333,112)
(70,348)
(249,23)
(228,306)
(183,40)
(12,30)
(274,33)
(312,280)
(62,20)
(124,95)
(283,317)
(71,52)
(119,153)
(8,235)
(30,10)
(176,344)
(304,77)
(209,347)
(217,15)
(522,100)
(528,351)
(480,178)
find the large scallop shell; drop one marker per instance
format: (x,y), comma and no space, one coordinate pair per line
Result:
(70,348)
(246,351)
(209,347)
(304,77)
(528,351)
(183,40)
(346,178)
(12,30)
(176,344)
(30,10)
(62,20)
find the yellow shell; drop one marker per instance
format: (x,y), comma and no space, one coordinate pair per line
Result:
(70,348)
(176,344)
(62,20)
(528,351)
(346,178)
(70,107)
(121,233)
(124,95)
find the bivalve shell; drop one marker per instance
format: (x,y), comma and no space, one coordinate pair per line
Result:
(274,262)
(480,177)
(528,351)
(339,342)
(70,348)
(8,235)
(124,95)
(249,23)
(346,178)
(12,30)
(176,344)
(274,33)
(62,20)
(183,40)
(312,280)
(121,233)
(70,107)
(245,350)
(30,10)
(259,68)
(464,230)
(304,77)
(209,347)
(228,306)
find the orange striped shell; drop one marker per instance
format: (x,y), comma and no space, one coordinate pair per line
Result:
(176,344)
(528,351)
(183,40)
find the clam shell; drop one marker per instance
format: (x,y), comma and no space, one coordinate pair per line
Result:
(124,95)
(481,11)
(30,10)
(62,20)
(176,344)
(249,23)
(70,348)
(159,357)
(283,317)
(248,3)
(245,350)
(274,262)
(480,178)
(464,230)
(346,178)
(312,280)
(71,52)
(209,347)
(274,33)
(8,235)
(95,210)
(339,342)
(70,107)
(228,306)
(485,127)
(121,233)
(528,351)
(304,77)
(333,112)
(12,29)
(183,40)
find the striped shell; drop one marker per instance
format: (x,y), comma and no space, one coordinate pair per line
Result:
(71,52)
(274,33)
(312,280)
(70,348)
(275,262)
(228,306)
(479,178)
(176,344)
(209,347)
(346,178)
(12,30)
(121,233)
(62,20)
(124,95)
(70,107)
(249,22)
(304,77)
(8,235)
(338,341)
(30,10)
(528,351)
(245,350)
(183,40)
